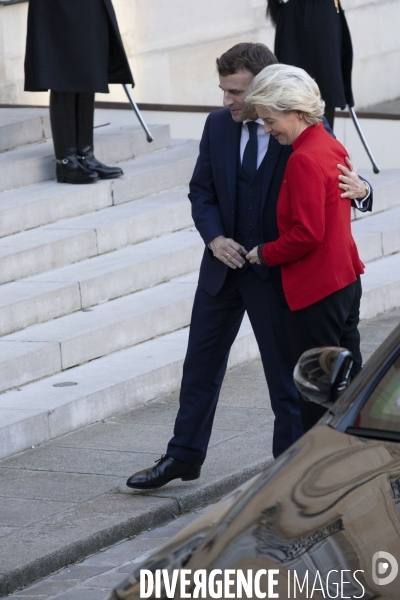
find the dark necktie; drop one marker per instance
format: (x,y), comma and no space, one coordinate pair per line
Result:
(249,162)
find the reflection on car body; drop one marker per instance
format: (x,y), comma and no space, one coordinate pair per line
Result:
(326,511)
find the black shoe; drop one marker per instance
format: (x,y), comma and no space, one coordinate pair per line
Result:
(166,469)
(103,171)
(70,170)
(84,106)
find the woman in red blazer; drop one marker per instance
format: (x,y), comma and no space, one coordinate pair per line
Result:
(316,251)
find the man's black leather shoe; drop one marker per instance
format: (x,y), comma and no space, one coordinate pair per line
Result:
(166,469)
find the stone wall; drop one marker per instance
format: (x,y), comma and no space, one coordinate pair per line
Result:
(172,46)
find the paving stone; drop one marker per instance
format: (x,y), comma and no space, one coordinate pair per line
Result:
(47,546)
(78,572)
(4,531)
(82,593)
(26,597)
(220,470)
(225,418)
(76,487)
(256,396)
(106,581)
(20,511)
(58,458)
(374,331)
(111,561)
(135,438)
(47,588)
(132,550)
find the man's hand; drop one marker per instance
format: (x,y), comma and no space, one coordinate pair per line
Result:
(252,256)
(228,251)
(354,187)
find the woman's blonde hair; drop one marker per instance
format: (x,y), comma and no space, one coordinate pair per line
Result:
(283,88)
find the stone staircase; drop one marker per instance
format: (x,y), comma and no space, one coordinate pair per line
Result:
(97,281)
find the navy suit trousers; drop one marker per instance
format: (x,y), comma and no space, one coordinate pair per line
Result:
(214,326)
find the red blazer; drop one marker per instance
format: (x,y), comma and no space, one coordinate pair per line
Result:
(316,250)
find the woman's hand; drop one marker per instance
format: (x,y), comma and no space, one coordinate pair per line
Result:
(252,256)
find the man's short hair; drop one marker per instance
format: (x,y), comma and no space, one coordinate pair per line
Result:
(245,57)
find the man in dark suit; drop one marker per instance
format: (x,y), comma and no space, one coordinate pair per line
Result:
(234,191)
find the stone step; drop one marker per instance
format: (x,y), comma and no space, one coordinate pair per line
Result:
(48,202)
(156,172)
(381,286)
(118,226)
(63,291)
(49,247)
(45,349)
(100,389)
(114,383)
(75,239)
(22,126)
(386,185)
(35,163)
(379,235)
(42,249)
(135,221)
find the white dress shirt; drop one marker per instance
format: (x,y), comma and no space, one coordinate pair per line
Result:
(262,138)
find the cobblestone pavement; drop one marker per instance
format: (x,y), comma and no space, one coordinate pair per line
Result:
(95,577)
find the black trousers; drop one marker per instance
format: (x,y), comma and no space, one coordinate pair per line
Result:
(214,326)
(333,321)
(72,120)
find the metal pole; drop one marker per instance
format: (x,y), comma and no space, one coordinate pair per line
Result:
(137,111)
(364,141)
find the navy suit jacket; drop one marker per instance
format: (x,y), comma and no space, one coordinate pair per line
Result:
(213,193)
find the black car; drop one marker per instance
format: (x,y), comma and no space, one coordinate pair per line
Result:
(323,521)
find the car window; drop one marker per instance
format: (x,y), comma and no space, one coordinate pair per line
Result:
(382,409)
